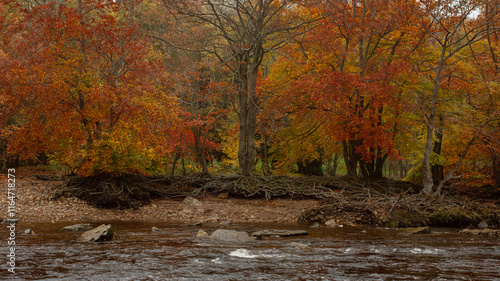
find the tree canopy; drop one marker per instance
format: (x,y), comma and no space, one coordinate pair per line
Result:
(362,88)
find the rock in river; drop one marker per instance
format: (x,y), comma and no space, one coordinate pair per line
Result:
(99,234)
(416,230)
(201,234)
(230,235)
(279,233)
(483,232)
(79,227)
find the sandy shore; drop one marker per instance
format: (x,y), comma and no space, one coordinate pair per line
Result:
(34,204)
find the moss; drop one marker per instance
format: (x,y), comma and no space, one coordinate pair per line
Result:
(409,218)
(454,217)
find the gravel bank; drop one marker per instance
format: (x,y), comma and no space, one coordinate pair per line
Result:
(34,204)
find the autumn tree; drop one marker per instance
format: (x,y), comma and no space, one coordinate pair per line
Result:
(450,27)
(93,91)
(10,13)
(347,74)
(243,33)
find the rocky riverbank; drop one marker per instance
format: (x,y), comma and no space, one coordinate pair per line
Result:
(35,203)
(386,203)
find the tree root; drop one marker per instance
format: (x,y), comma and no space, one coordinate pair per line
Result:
(376,202)
(371,203)
(132,191)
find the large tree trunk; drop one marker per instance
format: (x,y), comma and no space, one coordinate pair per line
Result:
(351,158)
(248,70)
(375,168)
(430,123)
(244,165)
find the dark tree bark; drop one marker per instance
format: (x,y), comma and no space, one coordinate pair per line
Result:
(437,169)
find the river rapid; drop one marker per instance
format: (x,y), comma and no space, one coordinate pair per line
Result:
(347,253)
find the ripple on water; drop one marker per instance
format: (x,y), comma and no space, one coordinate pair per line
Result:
(175,254)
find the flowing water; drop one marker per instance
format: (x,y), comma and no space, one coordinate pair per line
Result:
(348,253)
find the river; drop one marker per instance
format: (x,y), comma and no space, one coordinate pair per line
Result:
(348,253)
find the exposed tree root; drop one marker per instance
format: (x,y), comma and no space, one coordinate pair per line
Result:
(376,202)
(371,203)
(131,191)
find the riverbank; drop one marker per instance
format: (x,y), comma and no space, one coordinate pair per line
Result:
(386,203)
(35,203)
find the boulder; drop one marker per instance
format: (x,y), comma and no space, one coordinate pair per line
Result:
(28,232)
(416,230)
(315,225)
(99,234)
(331,223)
(189,200)
(155,229)
(202,234)
(279,233)
(482,232)
(212,219)
(230,235)
(79,227)
(482,225)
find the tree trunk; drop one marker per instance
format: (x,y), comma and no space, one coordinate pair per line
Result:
(3,155)
(495,162)
(176,157)
(437,169)
(248,71)
(266,168)
(200,151)
(244,168)
(451,173)
(332,165)
(350,158)
(430,123)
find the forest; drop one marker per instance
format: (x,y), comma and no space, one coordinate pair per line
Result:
(402,89)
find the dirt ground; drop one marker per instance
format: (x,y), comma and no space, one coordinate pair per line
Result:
(34,203)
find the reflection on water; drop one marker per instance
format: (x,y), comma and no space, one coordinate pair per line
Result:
(347,253)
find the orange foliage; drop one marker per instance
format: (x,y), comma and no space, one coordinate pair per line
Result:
(93,92)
